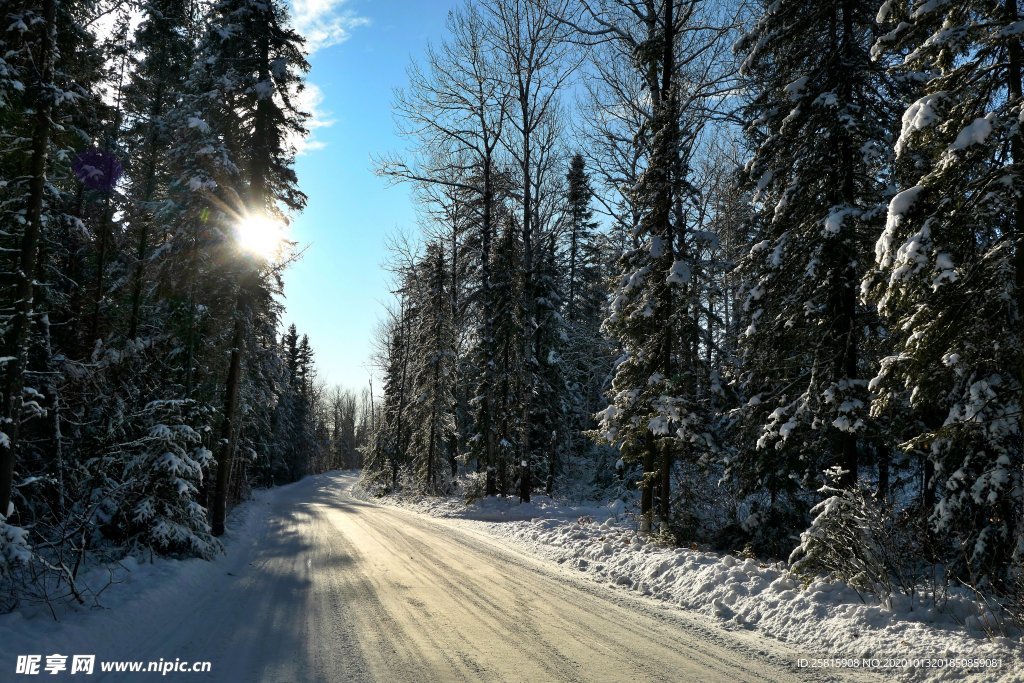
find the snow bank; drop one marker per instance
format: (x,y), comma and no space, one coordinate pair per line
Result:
(744,593)
(496,508)
(123,597)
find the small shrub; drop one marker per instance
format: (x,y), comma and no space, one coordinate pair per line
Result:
(864,542)
(474,487)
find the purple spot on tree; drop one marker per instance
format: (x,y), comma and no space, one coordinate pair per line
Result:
(97,169)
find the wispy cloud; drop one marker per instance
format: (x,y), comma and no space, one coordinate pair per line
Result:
(325,22)
(311,100)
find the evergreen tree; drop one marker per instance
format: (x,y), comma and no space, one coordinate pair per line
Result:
(587,354)
(949,276)
(508,327)
(389,448)
(30,91)
(660,393)
(154,90)
(550,407)
(255,63)
(820,115)
(584,287)
(433,401)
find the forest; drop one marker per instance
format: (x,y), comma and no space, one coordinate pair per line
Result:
(754,267)
(146,171)
(761,258)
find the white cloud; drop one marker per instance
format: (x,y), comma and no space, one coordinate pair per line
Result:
(311,100)
(325,22)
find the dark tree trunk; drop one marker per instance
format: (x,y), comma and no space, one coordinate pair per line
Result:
(16,340)
(549,486)
(846,309)
(1014,86)
(665,502)
(228,428)
(142,245)
(647,484)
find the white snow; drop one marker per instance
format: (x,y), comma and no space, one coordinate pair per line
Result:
(974,133)
(927,7)
(834,221)
(122,596)
(918,116)
(946,270)
(679,274)
(795,89)
(1012,29)
(898,207)
(199,124)
(883,12)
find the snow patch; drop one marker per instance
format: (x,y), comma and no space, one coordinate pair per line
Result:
(975,133)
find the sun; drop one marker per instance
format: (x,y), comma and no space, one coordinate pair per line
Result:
(261,236)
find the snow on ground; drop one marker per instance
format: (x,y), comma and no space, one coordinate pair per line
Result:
(601,541)
(120,597)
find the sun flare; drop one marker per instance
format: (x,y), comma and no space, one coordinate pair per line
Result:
(261,236)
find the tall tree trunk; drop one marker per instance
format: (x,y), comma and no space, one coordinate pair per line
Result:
(665,502)
(846,308)
(668,153)
(487,412)
(228,427)
(1014,85)
(149,185)
(16,346)
(101,267)
(647,484)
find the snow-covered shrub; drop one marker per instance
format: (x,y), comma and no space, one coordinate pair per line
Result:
(150,501)
(474,486)
(865,542)
(1014,600)
(754,524)
(14,547)
(375,481)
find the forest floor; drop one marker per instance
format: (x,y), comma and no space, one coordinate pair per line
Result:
(318,585)
(903,638)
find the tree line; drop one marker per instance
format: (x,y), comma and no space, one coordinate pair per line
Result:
(768,253)
(145,384)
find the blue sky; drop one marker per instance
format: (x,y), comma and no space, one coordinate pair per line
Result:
(335,293)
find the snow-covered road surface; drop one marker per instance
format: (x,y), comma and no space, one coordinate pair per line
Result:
(322,586)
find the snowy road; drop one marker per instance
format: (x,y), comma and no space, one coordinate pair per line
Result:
(331,588)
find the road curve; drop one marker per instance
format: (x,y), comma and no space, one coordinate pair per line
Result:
(332,588)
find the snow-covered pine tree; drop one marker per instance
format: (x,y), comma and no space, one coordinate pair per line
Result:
(294,443)
(49,113)
(390,441)
(660,391)
(431,410)
(550,422)
(162,50)
(587,355)
(29,93)
(949,274)
(585,295)
(508,326)
(819,117)
(452,224)
(150,500)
